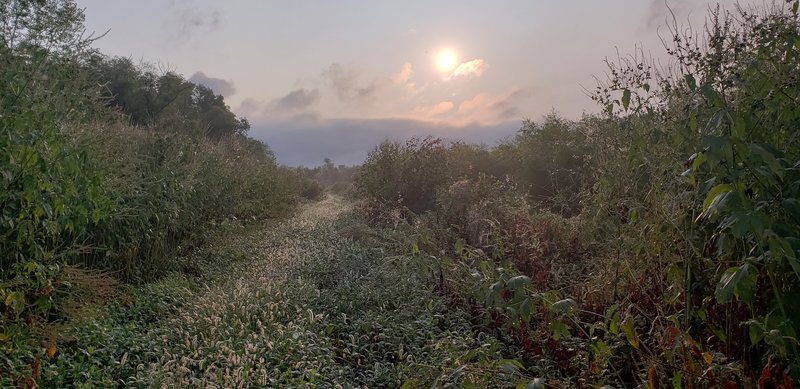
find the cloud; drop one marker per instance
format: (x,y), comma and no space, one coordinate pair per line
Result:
(474,68)
(487,109)
(347,141)
(404,75)
(294,104)
(344,81)
(506,107)
(249,106)
(294,101)
(658,11)
(432,111)
(187,20)
(218,85)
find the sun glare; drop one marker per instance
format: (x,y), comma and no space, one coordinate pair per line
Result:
(446,60)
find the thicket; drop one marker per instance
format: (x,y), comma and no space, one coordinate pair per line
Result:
(653,245)
(104,165)
(328,177)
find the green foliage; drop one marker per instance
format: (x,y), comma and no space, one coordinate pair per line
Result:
(328,177)
(78,187)
(166,101)
(550,162)
(679,265)
(407,175)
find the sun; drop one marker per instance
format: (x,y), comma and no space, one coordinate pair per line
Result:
(446,60)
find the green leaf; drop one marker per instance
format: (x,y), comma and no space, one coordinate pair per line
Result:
(16,301)
(459,246)
(782,249)
(626,98)
(677,381)
(511,362)
(564,306)
(792,206)
(690,82)
(715,199)
(630,332)
(755,331)
(766,156)
(518,282)
(615,321)
(559,330)
(526,309)
(715,122)
(737,282)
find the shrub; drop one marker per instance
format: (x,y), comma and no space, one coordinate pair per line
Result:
(407,174)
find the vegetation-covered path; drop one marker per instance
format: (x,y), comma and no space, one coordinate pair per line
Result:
(304,305)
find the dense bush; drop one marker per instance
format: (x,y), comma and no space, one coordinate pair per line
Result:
(79,186)
(677,263)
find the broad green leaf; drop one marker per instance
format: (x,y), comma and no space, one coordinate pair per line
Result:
(698,160)
(715,199)
(614,326)
(518,282)
(782,249)
(737,282)
(677,381)
(16,301)
(630,332)
(559,330)
(711,95)
(526,309)
(792,206)
(511,362)
(772,162)
(755,331)
(626,98)
(564,305)
(690,82)
(459,246)
(739,129)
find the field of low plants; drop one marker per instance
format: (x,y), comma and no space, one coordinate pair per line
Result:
(319,300)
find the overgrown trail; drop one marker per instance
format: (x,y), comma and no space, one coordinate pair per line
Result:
(305,305)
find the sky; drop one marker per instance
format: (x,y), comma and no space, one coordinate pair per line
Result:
(325,79)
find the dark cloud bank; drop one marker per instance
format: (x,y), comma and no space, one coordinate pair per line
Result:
(347,141)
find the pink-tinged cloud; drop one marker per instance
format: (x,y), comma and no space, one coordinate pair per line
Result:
(435,110)
(469,106)
(404,75)
(474,68)
(490,109)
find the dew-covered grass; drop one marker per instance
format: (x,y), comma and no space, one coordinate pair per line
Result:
(294,304)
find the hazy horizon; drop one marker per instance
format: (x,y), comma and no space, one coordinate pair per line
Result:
(332,80)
